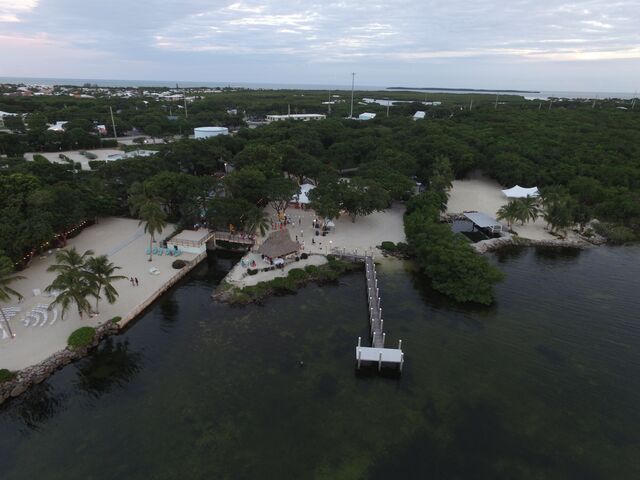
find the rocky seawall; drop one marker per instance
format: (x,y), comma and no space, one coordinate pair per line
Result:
(38,373)
(494,244)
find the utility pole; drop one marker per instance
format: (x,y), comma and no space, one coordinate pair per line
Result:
(113,122)
(471,105)
(388,105)
(329,104)
(550,103)
(353,82)
(186,112)
(496,105)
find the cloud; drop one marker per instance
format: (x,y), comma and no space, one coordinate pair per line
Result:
(312,38)
(11,10)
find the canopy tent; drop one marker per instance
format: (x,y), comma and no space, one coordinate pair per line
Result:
(521,192)
(303,196)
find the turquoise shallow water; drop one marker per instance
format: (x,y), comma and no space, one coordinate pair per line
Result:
(544,384)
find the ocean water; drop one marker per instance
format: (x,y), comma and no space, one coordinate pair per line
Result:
(277,86)
(543,384)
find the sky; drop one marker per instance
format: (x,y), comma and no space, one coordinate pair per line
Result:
(495,44)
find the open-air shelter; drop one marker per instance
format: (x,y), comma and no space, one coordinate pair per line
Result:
(278,244)
(482,220)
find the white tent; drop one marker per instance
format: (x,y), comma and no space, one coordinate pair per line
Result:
(303,196)
(521,192)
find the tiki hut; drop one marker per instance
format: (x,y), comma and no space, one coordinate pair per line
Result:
(278,244)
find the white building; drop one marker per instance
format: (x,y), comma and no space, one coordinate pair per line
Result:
(419,115)
(366,116)
(305,117)
(206,132)
(190,241)
(58,126)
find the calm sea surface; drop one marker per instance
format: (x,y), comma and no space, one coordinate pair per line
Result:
(284,86)
(544,384)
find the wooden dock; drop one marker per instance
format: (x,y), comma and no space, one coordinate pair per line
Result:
(377,353)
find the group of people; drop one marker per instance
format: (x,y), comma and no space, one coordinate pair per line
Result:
(134,281)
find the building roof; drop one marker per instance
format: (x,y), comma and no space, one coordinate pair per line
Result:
(419,114)
(278,244)
(482,220)
(198,236)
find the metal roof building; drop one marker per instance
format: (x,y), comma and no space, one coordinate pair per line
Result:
(482,220)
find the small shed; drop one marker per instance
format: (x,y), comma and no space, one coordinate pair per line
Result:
(482,220)
(278,244)
(191,241)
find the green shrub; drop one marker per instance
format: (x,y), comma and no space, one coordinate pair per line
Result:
(6,375)
(90,155)
(178,264)
(327,275)
(388,246)
(115,319)
(339,266)
(282,285)
(109,143)
(39,158)
(403,248)
(304,256)
(621,234)
(297,274)
(311,269)
(81,337)
(96,164)
(331,257)
(238,297)
(252,271)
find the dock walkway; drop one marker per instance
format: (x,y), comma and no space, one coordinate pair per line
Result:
(377,353)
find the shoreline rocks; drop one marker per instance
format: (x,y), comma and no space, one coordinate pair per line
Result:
(36,374)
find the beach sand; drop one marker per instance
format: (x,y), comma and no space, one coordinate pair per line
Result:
(478,193)
(125,243)
(365,234)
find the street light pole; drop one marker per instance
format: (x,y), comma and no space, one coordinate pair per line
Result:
(353,81)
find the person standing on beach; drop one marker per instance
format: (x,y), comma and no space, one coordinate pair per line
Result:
(136,279)
(133,284)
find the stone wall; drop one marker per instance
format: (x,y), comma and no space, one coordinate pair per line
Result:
(35,374)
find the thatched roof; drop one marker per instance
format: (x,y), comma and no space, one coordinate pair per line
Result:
(278,244)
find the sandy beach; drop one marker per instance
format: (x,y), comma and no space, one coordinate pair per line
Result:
(365,234)
(125,243)
(478,193)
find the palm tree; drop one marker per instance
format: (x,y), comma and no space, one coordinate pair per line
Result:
(74,288)
(153,217)
(508,212)
(257,220)
(73,282)
(6,292)
(149,210)
(530,208)
(70,260)
(102,272)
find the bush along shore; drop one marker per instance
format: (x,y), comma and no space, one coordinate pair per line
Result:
(295,279)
